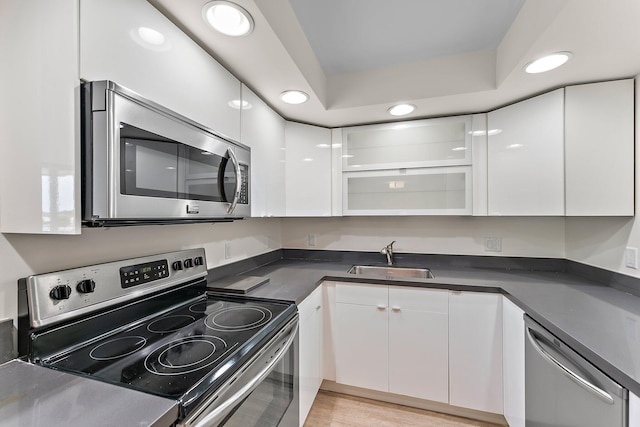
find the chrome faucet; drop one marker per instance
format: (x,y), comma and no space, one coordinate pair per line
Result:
(388,251)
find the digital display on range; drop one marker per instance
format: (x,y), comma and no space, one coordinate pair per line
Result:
(139,274)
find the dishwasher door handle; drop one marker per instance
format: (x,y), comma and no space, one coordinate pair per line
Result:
(582,382)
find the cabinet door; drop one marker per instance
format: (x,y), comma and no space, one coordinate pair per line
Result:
(513,363)
(599,149)
(133,44)
(308,170)
(423,191)
(634,410)
(526,157)
(310,311)
(420,143)
(39,117)
(418,343)
(475,351)
(361,336)
(263,131)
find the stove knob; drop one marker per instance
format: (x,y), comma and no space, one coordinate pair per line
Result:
(177,265)
(60,292)
(198,260)
(86,286)
(188,263)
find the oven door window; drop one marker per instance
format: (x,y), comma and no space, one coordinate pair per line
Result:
(269,404)
(154,166)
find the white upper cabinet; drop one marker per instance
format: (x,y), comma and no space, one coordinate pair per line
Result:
(39,117)
(599,149)
(308,170)
(526,157)
(133,44)
(479,154)
(263,131)
(421,167)
(417,191)
(420,143)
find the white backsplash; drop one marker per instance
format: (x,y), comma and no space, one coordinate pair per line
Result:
(532,237)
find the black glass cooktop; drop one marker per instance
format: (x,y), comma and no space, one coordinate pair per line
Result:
(170,354)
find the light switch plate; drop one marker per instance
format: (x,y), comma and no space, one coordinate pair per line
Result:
(227,250)
(493,244)
(631,258)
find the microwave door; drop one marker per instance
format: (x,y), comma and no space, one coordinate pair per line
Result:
(232,181)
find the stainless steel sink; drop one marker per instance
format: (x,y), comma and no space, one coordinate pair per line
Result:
(389,272)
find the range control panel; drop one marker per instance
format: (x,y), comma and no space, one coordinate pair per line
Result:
(61,295)
(140,274)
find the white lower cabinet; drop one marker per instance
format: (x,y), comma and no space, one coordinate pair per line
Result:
(362,330)
(475,351)
(634,410)
(418,337)
(392,339)
(513,363)
(310,332)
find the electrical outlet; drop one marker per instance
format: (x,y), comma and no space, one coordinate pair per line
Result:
(268,242)
(493,244)
(311,239)
(227,250)
(631,258)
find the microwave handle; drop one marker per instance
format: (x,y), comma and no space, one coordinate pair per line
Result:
(236,195)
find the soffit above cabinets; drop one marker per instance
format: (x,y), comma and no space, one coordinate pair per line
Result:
(432,54)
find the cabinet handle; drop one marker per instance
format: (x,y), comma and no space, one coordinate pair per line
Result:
(382,307)
(396,308)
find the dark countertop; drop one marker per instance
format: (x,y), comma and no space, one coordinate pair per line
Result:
(35,396)
(598,321)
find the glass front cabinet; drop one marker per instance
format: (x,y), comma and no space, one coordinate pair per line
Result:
(421,167)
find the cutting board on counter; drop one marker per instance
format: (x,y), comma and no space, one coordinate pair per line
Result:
(237,284)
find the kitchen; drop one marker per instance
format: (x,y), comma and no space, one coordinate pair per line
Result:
(600,242)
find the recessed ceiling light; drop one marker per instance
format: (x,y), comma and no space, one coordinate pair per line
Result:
(228,18)
(401,109)
(294,97)
(547,63)
(323,145)
(458,148)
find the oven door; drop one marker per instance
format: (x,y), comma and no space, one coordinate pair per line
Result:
(262,393)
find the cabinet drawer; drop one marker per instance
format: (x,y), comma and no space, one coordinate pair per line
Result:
(354,293)
(419,299)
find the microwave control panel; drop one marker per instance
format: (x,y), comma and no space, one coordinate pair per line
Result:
(244,185)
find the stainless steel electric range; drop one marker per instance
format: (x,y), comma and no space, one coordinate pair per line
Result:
(148,324)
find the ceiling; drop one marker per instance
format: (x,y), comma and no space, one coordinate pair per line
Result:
(356,58)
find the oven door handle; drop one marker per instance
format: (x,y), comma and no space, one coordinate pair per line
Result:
(214,417)
(236,194)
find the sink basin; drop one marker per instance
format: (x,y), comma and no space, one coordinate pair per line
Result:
(389,272)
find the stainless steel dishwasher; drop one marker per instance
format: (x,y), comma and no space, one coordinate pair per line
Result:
(563,389)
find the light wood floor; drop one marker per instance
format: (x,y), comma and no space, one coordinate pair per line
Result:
(337,410)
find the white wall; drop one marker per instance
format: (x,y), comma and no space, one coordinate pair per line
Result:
(601,242)
(25,254)
(532,237)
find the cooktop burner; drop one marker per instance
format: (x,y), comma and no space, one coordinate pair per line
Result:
(184,344)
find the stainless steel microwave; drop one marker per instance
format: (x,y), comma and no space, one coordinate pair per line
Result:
(144,164)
